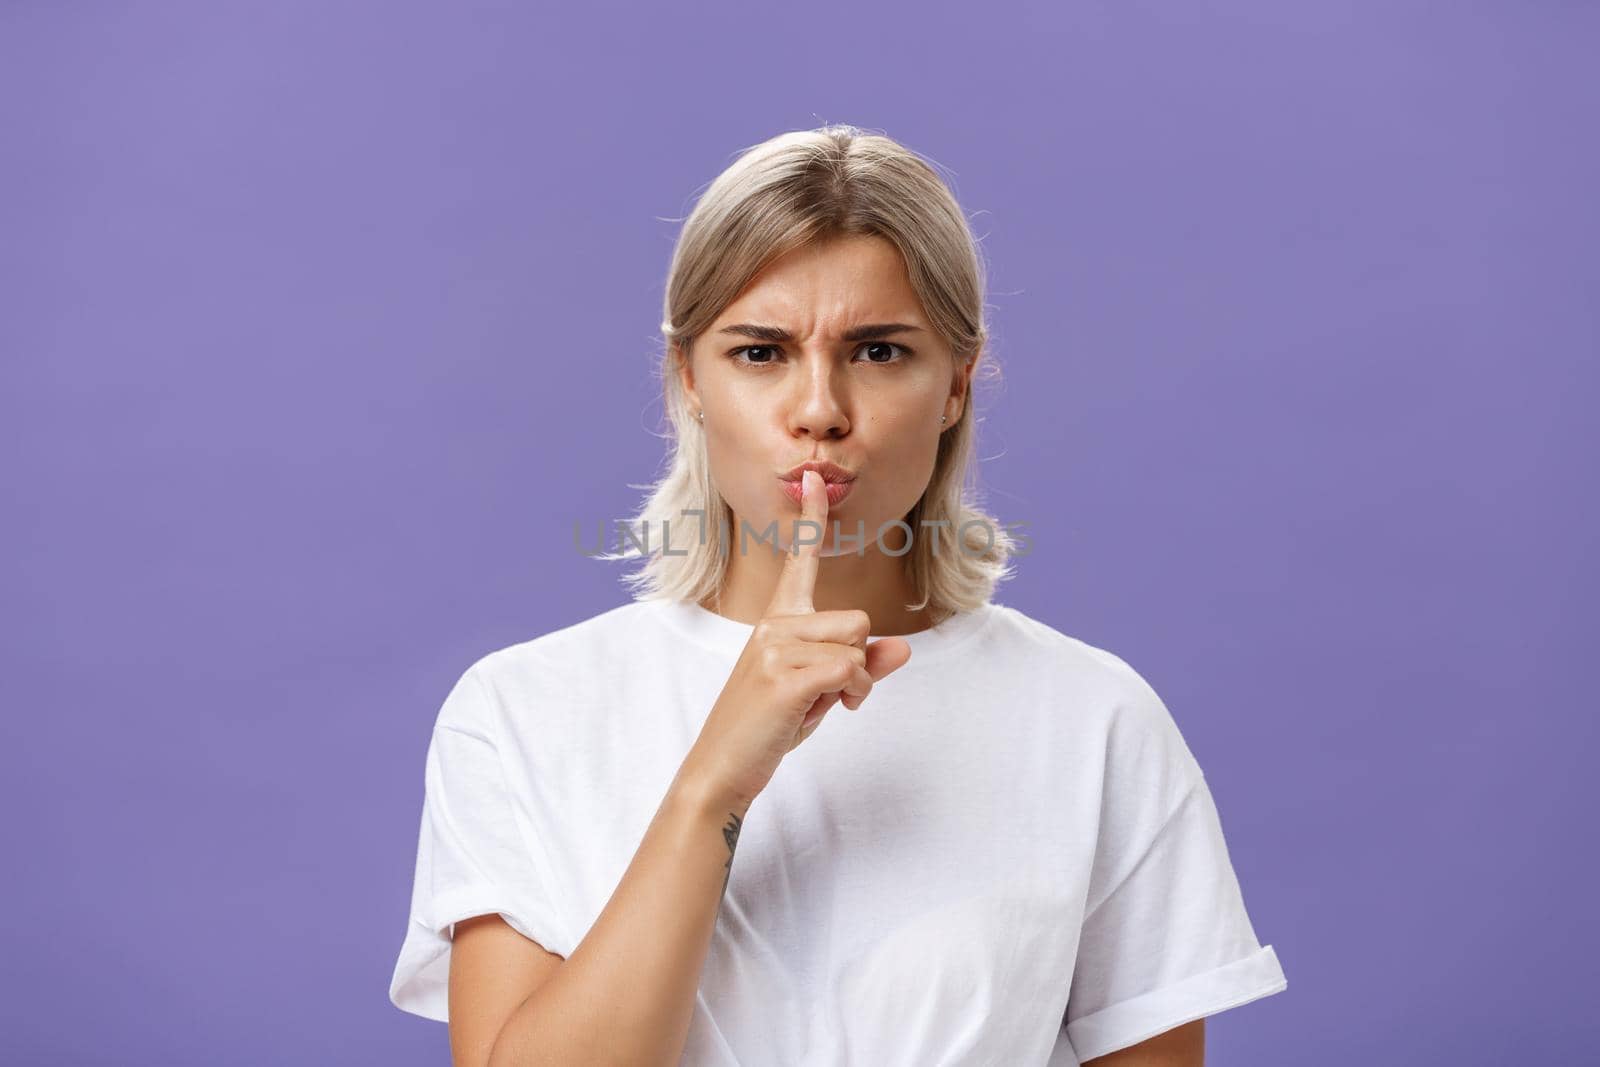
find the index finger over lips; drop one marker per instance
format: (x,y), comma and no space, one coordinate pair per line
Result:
(798,578)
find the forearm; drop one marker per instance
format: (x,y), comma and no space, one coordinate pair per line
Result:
(626,993)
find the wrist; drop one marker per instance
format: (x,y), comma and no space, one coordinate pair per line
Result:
(706,795)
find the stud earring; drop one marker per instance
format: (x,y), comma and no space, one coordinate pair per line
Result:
(943,419)
(701,415)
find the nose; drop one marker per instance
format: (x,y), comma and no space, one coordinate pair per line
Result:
(818,410)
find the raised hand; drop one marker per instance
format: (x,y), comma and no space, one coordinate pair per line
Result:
(796,665)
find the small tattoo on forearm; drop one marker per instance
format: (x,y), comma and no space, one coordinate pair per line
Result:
(730,834)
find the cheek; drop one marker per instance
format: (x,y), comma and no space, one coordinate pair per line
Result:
(904,433)
(737,474)
(903,456)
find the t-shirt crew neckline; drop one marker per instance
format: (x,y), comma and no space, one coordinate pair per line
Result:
(722,634)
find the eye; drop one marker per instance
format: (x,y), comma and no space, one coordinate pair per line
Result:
(904,351)
(734,355)
(745,356)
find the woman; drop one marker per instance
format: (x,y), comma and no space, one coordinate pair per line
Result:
(646,839)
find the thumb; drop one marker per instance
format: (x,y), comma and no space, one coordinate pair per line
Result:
(887,655)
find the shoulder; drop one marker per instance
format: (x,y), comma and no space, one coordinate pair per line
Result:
(1109,698)
(1093,672)
(508,675)
(578,644)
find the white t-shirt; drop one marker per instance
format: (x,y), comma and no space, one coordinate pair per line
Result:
(1008,854)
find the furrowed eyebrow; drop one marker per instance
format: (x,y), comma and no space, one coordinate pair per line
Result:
(776,334)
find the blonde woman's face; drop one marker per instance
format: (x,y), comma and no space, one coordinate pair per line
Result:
(827,355)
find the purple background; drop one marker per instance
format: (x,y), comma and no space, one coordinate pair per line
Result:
(324,322)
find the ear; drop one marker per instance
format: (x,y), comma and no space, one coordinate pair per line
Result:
(683,366)
(960,387)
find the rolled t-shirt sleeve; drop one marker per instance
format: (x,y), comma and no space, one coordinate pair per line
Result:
(1165,937)
(472,857)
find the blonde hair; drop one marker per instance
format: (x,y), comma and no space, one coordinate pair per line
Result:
(777,196)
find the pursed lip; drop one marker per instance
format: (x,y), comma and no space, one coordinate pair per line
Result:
(831,472)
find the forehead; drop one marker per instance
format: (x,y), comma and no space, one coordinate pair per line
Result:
(831,284)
